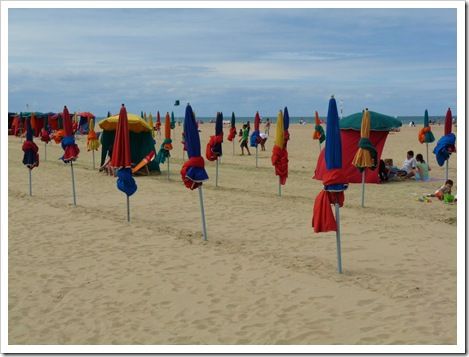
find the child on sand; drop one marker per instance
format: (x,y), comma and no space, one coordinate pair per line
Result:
(445,189)
(244,140)
(421,173)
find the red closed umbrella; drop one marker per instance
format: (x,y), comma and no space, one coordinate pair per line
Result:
(121,160)
(448,122)
(71,149)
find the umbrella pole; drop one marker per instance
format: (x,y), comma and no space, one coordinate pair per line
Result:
(45,151)
(319,146)
(202,211)
(363,187)
(279,187)
(30,184)
(216,175)
(73,185)
(168,168)
(447,169)
(93,161)
(128,208)
(427,152)
(233,146)
(337,234)
(256,156)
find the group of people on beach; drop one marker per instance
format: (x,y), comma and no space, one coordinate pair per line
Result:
(244,136)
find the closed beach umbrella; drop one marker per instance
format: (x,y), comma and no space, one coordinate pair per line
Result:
(121,159)
(255,136)
(92,142)
(232,133)
(334,182)
(318,133)
(425,134)
(366,155)
(158,123)
(150,122)
(173,121)
(446,145)
(45,134)
(166,145)
(214,145)
(448,122)
(279,153)
(71,149)
(193,170)
(31,153)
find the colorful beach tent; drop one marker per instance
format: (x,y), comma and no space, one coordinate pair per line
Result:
(141,141)
(350,127)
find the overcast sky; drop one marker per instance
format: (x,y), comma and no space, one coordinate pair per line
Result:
(398,62)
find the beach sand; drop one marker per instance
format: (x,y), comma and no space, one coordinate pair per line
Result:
(85,276)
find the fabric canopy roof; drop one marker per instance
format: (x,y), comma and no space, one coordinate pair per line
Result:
(136,123)
(379,122)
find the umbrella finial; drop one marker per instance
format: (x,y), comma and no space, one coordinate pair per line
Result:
(332,96)
(366,109)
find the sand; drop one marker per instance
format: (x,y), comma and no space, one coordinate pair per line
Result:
(85,276)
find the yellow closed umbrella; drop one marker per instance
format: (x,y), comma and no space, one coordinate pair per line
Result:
(92,142)
(279,131)
(150,122)
(366,155)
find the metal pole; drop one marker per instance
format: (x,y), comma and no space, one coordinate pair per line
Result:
(319,146)
(279,187)
(128,208)
(93,161)
(168,167)
(337,234)
(45,151)
(427,154)
(447,169)
(233,146)
(30,184)
(256,156)
(363,187)
(202,211)
(216,175)
(73,185)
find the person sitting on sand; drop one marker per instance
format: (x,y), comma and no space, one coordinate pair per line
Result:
(445,189)
(244,140)
(409,165)
(421,173)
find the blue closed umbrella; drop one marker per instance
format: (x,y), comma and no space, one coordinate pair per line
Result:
(286,119)
(193,171)
(217,148)
(30,149)
(333,153)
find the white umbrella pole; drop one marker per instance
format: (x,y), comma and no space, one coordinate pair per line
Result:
(168,167)
(128,208)
(45,151)
(256,156)
(202,211)
(447,169)
(73,185)
(30,183)
(363,187)
(337,234)
(319,146)
(427,153)
(216,175)
(279,187)
(94,163)
(233,146)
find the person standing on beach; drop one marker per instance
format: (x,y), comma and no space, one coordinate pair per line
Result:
(248,126)
(267,127)
(244,139)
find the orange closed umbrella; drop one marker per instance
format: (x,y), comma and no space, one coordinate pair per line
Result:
(366,155)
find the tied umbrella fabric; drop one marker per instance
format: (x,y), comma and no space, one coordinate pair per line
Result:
(255,136)
(30,149)
(158,121)
(448,122)
(425,134)
(92,142)
(71,149)
(279,151)
(214,145)
(166,145)
(444,148)
(366,155)
(232,133)
(193,171)
(45,133)
(121,155)
(318,133)
(334,179)
(173,121)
